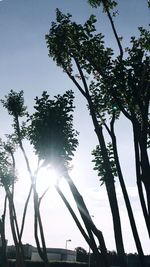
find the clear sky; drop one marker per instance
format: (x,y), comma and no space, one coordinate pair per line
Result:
(24,65)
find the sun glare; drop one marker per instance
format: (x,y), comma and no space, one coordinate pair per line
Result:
(46,178)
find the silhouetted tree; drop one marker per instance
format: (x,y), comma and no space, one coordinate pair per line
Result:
(14,103)
(76,39)
(116,85)
(7,180)
(54,139)
(82,254)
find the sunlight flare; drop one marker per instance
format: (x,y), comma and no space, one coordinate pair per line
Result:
(47,177)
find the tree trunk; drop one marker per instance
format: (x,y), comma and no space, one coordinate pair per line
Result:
(116,222)
(127,201)
(18,245)
(136,133)
(4,261)
(37,222)
(101,259)
(110,187)
(147,189)
(4,244)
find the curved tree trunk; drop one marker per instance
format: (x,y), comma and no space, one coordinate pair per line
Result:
(110,187)
(139,175)
(4,261)
(37,222)
(127,201)
(101,259)
(18,245)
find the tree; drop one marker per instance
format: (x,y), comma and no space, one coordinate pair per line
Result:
(115,86)
(129,89)
(14,103)
(54,139)
(76,40)
(50,131)
(82,254)
(7,179)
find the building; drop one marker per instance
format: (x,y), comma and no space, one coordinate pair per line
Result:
(31,253)
(59,254)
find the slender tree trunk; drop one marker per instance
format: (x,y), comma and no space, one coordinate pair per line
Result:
(4,244)
(101,259)
(127,201)
(37,222)
(97,233)
(37,218)
(4,261)
(147,189)
(145,171)
(116,222)
(18,244)
(86,237)
(110,187)
(139,175)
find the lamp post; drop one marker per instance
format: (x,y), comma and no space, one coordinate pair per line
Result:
(68,240)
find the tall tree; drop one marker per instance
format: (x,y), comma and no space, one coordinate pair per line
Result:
(14,103)
(7,180)
(109,93)
(76,43)
(54,139)
(128,85)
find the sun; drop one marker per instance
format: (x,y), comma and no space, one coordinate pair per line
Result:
(47,177)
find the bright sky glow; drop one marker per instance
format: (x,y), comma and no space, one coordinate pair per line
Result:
(47,177)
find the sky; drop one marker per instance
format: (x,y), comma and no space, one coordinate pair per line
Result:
(25,65)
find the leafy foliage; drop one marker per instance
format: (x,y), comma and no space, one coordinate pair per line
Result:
(82,255)
(68,40)
(99,163)
(7,173)
(107,4)
(51,128)
(14,103)
(117,86)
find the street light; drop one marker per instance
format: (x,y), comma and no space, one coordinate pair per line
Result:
(68,240)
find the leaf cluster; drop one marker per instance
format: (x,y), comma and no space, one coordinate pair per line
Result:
(107,4)
(7,173)
(68,40)
(118,84)
(14,103)
(99,162)
(51,128)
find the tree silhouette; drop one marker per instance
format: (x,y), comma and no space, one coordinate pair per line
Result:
(7,179)
(116,84)
(54,139)
(14,103)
